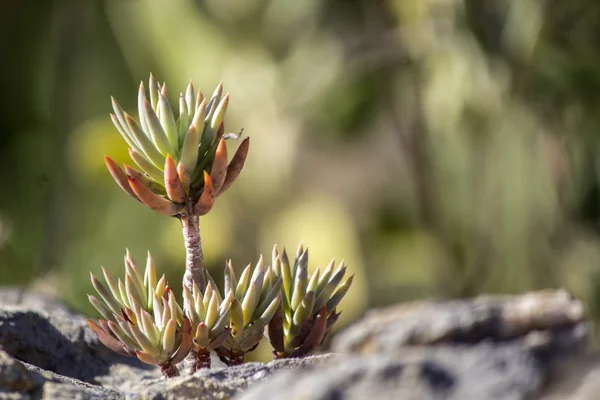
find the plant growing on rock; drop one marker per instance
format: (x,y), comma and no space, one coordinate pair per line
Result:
(209,315)
(183,161)
(307,313)
(182,167)
(256,299)
(142,318)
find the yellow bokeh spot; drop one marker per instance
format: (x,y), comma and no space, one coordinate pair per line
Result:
(88,145)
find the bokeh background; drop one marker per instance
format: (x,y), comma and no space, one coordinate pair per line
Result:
(443,148)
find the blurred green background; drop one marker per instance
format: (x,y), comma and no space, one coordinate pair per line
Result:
(443,148)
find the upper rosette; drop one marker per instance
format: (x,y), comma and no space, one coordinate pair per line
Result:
(182,160)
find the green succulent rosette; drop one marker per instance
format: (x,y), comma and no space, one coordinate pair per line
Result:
(256,299)
(141,317)
(308,310)
(181,159)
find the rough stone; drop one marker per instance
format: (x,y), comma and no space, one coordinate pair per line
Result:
(215,384)
(536,318)
(497,348)
(484,371)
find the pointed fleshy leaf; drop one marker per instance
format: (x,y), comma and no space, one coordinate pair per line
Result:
(141,114)
(219,339)
(201,335)
(149,168)
(303,312)
(219,167)
(147,358)
(333,283)
(219,113)
(325,276)
(236,165)
(242,285)
(114,289)
(109,300)
(119,176)
(275,329)
(134,173)
(122,122)
(145,143)
(212,312)
(159,137)
(264,304)
(173,184)
(168,339)
(167,119)
(249,303)
(153,89)
(229,277)
(237,320)
(214,101)
(143,341)
(314,337)
(250,342)
(287,275)
(313,282)
(183,121)
(207,198)
(122,336)
(101,308)
(154,201)
(186,342)
(106,339)
(189,150)
(124,132)
(190,99)
(260,323)
(339,294)
(184,176)
(300,285)
(221,322)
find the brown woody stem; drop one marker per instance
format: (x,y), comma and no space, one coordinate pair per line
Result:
(194,258)
(169,370)
(202,359)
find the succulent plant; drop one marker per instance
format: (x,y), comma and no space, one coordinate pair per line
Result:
(182,161)
(142,318)
(209,316)
(256,298)
(308,310)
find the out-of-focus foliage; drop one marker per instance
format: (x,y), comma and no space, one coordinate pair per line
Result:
(442,147)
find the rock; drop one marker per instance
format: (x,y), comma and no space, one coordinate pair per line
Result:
(57,342)
(13,375)
(501,347)
(497,348)
(484,371)
(535,318)
(215,384)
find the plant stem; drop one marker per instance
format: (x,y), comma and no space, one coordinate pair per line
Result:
(194,258)
(202,359)
(169,370)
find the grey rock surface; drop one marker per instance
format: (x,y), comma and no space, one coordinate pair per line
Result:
(484,371)
(493,348)
(510,347)
(535,318)
(215,384)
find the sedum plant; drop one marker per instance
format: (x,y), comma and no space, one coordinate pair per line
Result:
(181,167)
(308,310)
(181,160)
(141,317)
(256,298)
(209,316)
